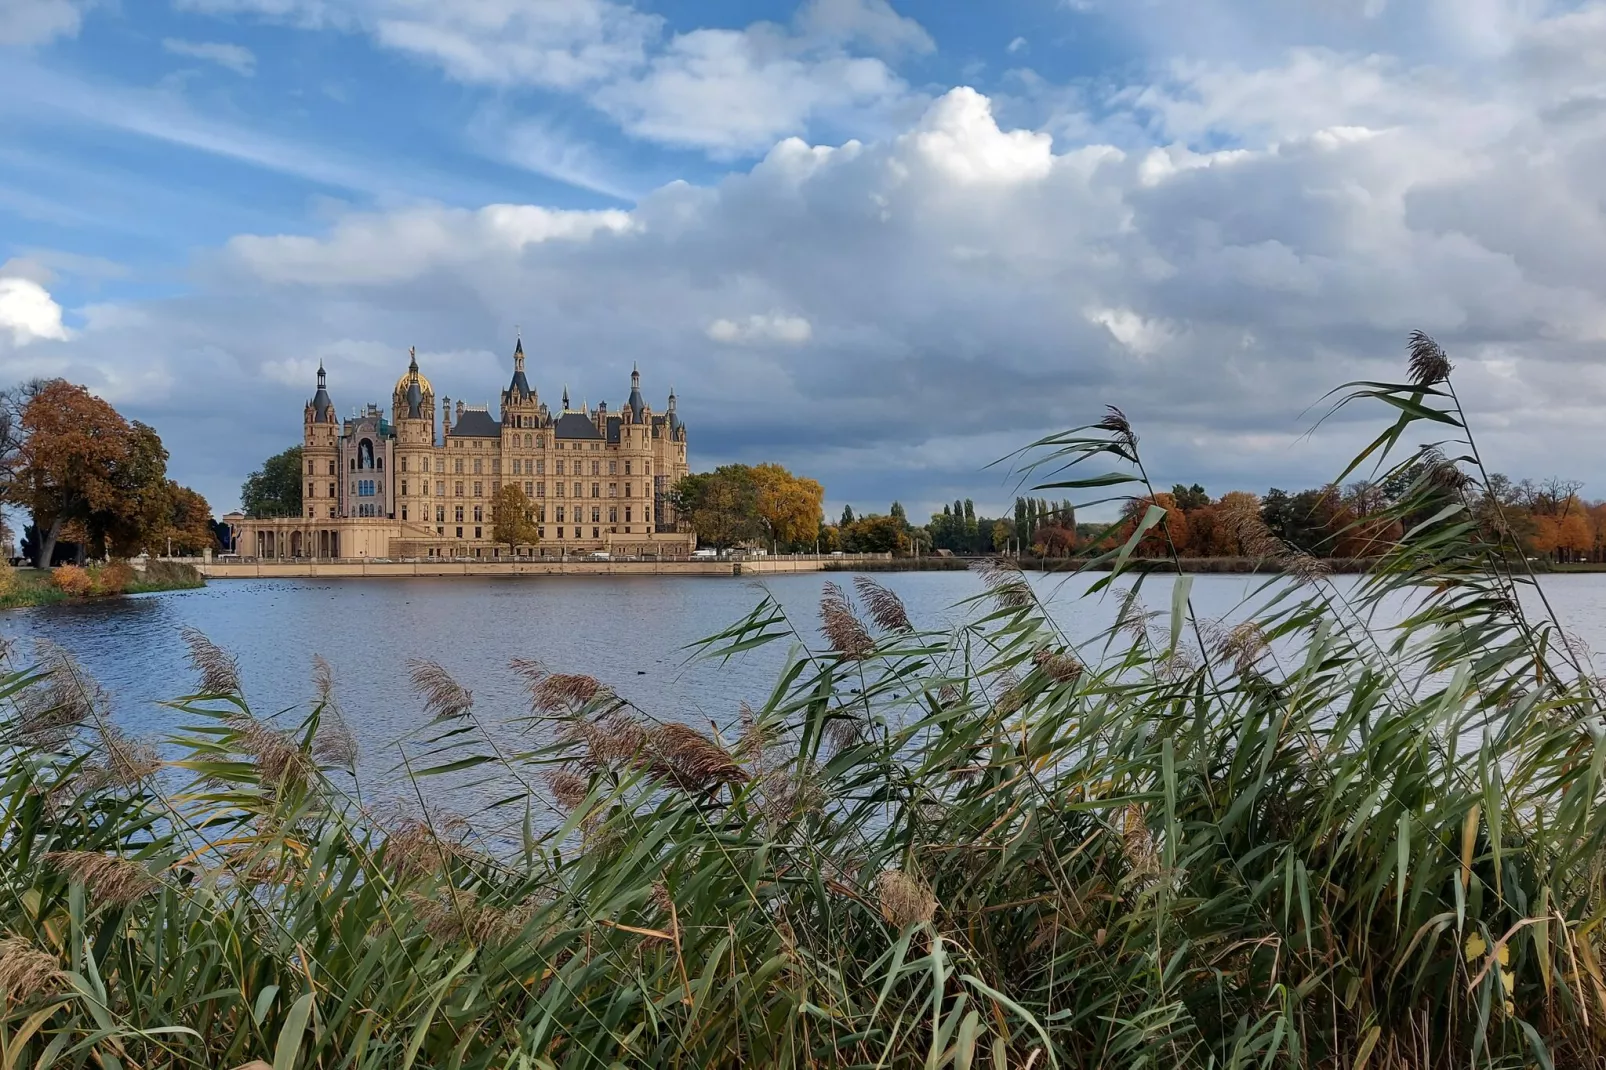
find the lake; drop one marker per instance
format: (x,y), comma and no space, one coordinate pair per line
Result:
(630,632)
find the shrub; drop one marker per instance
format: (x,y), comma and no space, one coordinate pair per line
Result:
(112,578)
(72,580)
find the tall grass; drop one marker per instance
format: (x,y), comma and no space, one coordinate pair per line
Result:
(1287,840)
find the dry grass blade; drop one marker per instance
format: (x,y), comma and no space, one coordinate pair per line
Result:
(886,609)
(1115,420)
(1429,364)
(905,899)
(26,971)
(220,673)
(1137,843)
(108,879)
(1005,581)
(443,696)
(842,627)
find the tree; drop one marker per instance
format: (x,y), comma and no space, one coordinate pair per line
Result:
(875,534)
(897,513)
(722,505)
(76,461)
(1190,497)
(275,488)
(513,521)
(847,516)
(788,505)
(186,521)
(1002,533)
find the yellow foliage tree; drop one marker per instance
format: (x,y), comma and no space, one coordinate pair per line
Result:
(514,520)
(789,505)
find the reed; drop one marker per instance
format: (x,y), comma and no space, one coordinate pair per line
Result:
(1279,840)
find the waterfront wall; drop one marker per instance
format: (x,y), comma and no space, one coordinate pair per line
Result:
(303,569)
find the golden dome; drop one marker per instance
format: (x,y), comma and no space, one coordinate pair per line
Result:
(413,376)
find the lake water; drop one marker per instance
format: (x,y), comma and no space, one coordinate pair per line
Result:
(630,632)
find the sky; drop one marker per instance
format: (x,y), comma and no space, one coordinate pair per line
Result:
(884,244)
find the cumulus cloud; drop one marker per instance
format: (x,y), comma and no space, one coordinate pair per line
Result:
(34,22)
(237,58)
(1219,246)
(28,313)
(773,327)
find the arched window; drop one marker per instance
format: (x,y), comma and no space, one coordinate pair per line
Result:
(379,462)
(365,454)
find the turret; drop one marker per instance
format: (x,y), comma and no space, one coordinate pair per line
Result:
(320,435)
(413,413)
(635,405)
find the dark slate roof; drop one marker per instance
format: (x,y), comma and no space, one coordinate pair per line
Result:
(415,402)
(613,428)
(321,404)
(575,425)
(519,388)
(476,423)
(636,404)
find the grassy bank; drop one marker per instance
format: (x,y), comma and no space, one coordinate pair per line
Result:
(1278,841)
(40,587)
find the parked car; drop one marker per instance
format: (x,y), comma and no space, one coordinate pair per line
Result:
(704,555)
(599,555)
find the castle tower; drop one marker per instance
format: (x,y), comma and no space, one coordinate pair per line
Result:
(635,449)
(319,440)
(521,416)
(413,416)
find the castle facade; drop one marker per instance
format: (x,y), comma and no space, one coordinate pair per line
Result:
(405,485)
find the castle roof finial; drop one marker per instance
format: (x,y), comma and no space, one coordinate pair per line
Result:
(565,397)
(412,358)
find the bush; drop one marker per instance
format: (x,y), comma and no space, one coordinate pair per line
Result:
(112,578)
(72,580)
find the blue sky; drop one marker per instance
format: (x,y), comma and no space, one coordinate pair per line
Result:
(883,243)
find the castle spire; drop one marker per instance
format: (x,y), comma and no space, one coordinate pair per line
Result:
(565,397)
(518,389)
(636,405)
(412,359)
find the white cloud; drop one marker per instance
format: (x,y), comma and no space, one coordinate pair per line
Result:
(1211,251)
(34,22)
(237,58)
(28,313)
(1015,45)
(728,91)
(774,327)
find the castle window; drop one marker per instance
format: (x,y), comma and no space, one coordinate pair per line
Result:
(596,468)
(440,488)
(560,517)
(380,464)
(496,486)
(557,489)
(457,514)
(311,493)
(613,490)
(309,468)
(477,492)
(476,463)
(476,535)
(559,468)
(404,464)
(627,468)
(540,468)
(526,441)
(404,512)
(354,464)
(596,514)
(540,490)
(578,492)
(515,466)
(459,533)
(331,468)
(496,466)
(595,534)
(457,465)
(529,489)
(627,515)
(596,490)
(479,513)
(627,490)
(613,468)
(426,464)
(457,489)
(440,514)
(365,454)
(613,514)
(404,488)
(331,512)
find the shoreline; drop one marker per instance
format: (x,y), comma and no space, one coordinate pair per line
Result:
(31,587)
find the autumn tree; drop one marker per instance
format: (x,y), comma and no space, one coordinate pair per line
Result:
(721,505)
(788,505)
(275,488)
(513,521)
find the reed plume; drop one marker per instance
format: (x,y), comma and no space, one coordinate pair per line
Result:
(560,691)
(415,848)
(905,899)
(690,760)
(1005,582)
(1429,364)
(107,878)
(841,626)
(51,711)
(1115,421)
(278,756)
(886,608)
(27,972)
(460,915)
(443,696)
(568,787)
(220,672)
(1243,645)
(1062,667)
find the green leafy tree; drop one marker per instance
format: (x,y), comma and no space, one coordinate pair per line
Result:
(721,505)
(275,488)
(847,516)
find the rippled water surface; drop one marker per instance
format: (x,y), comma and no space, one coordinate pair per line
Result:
(630,632)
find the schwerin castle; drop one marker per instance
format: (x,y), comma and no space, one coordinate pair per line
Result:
(378,487)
